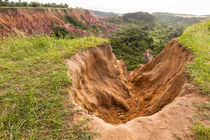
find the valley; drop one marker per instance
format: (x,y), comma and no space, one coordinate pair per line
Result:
(72,73)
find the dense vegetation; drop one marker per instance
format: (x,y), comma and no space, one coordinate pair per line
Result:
(197,38)
(139,18)
(34,84)
(142,31)
(130,45)
(178,19)
(6,3)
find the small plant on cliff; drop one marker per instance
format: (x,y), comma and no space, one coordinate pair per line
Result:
(201,132)
(61,32)
(1,26)
(75,22)
(85,19)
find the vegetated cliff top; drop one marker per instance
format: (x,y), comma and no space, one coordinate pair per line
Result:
(182,19)
(197,38)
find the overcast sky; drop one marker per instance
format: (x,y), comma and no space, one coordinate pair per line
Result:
(197,7)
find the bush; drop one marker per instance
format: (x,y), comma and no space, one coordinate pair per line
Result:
(61,32)
(201,132)
(76,22)
(35,4)
(85,19)
(1,26)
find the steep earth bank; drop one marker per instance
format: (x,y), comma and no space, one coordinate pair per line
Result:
(155,102)
(43,20)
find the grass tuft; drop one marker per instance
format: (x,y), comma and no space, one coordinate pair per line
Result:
(201,132)
(33,87)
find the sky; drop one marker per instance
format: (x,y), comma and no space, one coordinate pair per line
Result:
(196,7)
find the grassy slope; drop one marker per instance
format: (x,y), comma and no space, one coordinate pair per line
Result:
(33,86)
(197,38)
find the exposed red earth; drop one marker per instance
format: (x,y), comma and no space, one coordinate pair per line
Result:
(43,20)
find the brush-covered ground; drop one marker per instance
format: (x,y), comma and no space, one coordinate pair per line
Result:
(33,87)
(197,38)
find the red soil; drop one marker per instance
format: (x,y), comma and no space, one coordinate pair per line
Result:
(43,20)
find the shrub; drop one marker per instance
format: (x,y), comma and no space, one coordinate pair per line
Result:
(85,19)
(201,132)
(35,4)
(61,32)
(76,22)
(1,26)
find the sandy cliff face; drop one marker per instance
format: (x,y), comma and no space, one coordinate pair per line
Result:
(155,102)
(102,87)
(43,20)
(100,83)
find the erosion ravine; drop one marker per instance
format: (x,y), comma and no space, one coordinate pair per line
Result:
(153,96)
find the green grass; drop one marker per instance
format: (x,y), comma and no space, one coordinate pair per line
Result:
(34,85)
(201,132)
(197,38)
(203,111)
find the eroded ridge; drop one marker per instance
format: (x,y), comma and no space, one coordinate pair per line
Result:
(101,84)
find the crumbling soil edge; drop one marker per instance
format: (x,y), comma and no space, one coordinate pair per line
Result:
(174,118)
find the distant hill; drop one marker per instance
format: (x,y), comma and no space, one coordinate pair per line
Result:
(103,14)
(181,19)
(139,18)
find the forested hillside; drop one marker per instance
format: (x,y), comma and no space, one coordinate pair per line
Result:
(141,32)
(139,18)
(180,19)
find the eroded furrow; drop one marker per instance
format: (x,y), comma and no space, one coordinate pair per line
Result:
(101,84)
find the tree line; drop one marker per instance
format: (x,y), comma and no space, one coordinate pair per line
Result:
(7,3)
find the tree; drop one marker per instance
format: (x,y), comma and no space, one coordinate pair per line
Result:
(35,4)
